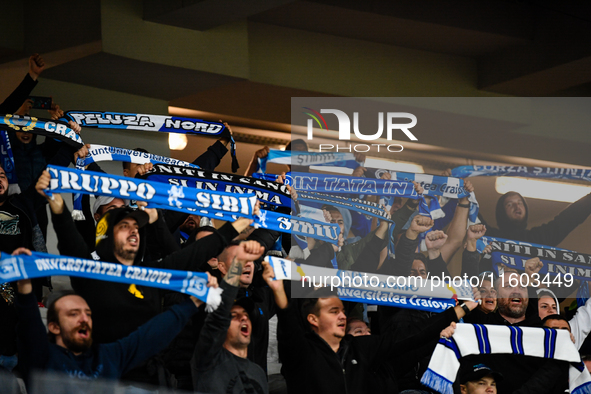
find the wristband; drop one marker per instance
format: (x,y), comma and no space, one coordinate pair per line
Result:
(464,205)
(467,310)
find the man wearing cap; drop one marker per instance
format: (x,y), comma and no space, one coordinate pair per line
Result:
(68,347)
(479,379)
(220,363)
(119,309)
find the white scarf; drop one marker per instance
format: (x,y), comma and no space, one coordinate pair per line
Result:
(470,339)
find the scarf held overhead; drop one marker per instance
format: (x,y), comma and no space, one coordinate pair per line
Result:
(160,123)
(305,159)
(582,174)
(38,265)
(267,192)
(215,205)
(98,153)
(470,339)
(45,127)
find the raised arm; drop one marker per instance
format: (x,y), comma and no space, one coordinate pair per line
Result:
(457,227)
(213,333)
(33,346)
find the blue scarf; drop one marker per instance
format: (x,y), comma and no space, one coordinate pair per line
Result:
(39,265)
(322,185)
(581,174)
(267,192)
(556,261)
(33,125)
(303,159)
(307,227)
(215,205)
(45,127)
(167,124)
(98,153)
(273,177)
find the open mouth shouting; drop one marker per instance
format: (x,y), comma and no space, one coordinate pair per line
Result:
(133,240)
(83,332)
(245,329)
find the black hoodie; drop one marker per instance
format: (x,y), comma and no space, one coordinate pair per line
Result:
(550,234)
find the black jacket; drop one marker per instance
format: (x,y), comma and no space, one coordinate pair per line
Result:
(367,364)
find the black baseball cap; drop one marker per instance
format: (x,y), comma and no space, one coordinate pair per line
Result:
(248,304)
(140,216)
(476,372)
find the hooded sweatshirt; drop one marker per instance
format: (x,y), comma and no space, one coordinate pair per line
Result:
(551,233)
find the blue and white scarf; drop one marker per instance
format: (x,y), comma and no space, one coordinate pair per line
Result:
(556,261)
(46,127)
(273,177)
(303,159)
(267,192)
(433,185)
(98,153)
(403,292)
(470,339)
(331,187)
(582,174)
(218,205)
(161,123)
(323,231)
(38,265)
(33,125)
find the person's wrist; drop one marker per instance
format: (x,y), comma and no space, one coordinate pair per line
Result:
(465,308)
(433,253)
(411,234)
(464,205)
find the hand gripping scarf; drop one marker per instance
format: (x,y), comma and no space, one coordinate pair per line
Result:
(38,265)
(211,204)
(399,291)
(470,339)
(33,125)
(166,124)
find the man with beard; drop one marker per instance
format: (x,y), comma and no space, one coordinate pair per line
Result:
(543,376)
(69,346)
(512,305)
(181,235)
(512,213)
(120,308)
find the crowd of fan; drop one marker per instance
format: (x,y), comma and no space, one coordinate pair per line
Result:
(150,338)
